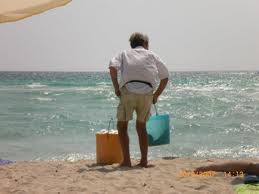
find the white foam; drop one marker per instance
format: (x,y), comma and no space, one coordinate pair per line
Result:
(105,131)
(164,97)
(36,85)
(48,89)
(59,94)
(225,100)
(219,153)
(236,152)
(70,157)
(92,89)
(202,88)
(43,99)
(104,84)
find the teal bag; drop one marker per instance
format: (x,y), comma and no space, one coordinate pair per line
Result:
(158,129)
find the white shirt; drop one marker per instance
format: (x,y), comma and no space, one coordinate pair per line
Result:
(139,64)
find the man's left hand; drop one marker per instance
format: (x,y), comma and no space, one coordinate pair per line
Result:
(155,98)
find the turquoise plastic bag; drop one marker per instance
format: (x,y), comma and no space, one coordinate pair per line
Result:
(158,129)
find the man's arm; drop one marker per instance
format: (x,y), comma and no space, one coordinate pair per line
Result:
(114,77)
(160,89)
(234,166)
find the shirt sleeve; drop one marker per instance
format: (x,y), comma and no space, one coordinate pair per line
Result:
(162,69)
(116,61)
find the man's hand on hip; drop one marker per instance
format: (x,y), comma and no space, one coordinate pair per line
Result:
(118,92)
(113,73)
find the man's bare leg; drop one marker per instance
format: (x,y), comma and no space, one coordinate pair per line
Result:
(235,166)
(143,142)
(122,127)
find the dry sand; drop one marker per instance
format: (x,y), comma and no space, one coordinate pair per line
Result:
(13,10)
(162,176)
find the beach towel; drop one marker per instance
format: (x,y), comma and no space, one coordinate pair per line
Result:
(251,185)
(247,189)
(250,179)
(4,162)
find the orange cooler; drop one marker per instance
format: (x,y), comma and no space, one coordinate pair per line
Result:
(108,148)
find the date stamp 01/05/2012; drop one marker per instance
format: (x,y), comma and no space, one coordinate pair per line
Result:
(185,173)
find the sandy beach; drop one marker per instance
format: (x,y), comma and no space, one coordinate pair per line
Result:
(166,175)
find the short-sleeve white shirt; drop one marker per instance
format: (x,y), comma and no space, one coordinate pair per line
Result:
(139,64)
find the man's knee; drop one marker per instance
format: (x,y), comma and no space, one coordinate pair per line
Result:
(122,125)
(141,126)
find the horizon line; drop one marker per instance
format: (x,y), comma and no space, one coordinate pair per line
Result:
(108,71)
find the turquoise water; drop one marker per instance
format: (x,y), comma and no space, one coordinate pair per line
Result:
(47,115)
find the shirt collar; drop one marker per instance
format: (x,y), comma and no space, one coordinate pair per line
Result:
(139,47)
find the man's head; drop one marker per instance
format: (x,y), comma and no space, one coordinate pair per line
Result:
(139,39)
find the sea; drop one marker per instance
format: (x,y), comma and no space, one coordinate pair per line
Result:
(55,115)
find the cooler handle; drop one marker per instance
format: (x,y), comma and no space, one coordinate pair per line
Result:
(111,120)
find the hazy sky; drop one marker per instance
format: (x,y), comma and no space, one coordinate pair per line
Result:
(189,35)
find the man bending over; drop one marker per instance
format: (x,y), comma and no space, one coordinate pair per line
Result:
(141,71)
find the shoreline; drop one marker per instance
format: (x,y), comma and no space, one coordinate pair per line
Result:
(85,176)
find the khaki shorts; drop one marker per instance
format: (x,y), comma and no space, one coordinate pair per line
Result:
(129,102)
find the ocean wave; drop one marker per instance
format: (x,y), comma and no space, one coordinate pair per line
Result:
(165,97)
(202,88)
(189,115)
(249,127)
(237,152)
(241,73)
(244,108)
(226,100)
(93,88)
(43,99)
(47,89)
(69,157)
(104,84)
(36,85)
(59,94)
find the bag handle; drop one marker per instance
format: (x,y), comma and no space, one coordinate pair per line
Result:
(156,109)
